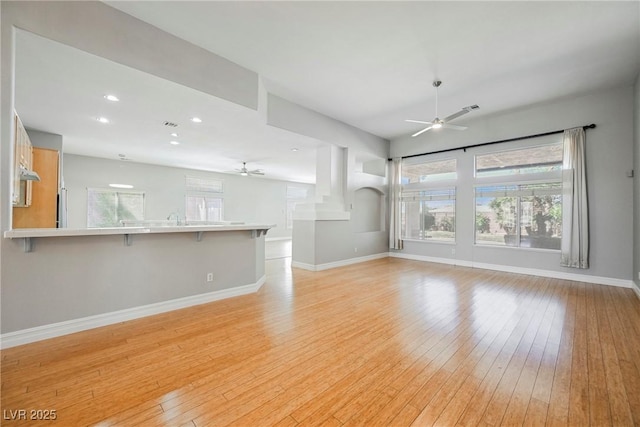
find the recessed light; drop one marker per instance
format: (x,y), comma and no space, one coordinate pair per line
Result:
(196,119)
(112,98)
(102,120)
(294,149)
(174,142)
(120,186)
(175,135)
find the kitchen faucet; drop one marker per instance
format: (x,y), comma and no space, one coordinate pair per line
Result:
(176,216)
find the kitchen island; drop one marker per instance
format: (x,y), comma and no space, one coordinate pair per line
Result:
(74,279)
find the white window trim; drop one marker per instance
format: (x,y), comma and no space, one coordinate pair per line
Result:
(453,188)
(475,212)
(519,148)
(430,185)
(116,191)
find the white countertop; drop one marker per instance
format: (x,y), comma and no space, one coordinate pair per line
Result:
(64,232)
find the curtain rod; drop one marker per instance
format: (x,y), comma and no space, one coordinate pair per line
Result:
(591,126)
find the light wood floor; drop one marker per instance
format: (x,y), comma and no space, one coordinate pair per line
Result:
(387,342)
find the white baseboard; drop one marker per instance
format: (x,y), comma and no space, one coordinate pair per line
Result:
(26,336)
(449,261)
(274,239)
(302,265)
(610,281)
(598,280)
(636,290)
(341,263)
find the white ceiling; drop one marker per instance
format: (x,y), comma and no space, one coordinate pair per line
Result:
(371,64)
(61,90)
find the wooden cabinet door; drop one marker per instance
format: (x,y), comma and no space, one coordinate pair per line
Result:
(43,211)
(23,158)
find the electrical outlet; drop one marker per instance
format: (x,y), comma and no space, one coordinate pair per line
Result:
(209,277)
(453,251)
(355,249)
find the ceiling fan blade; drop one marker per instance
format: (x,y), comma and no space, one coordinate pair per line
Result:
(455,115)
(456,127)
(419,121)
(423,130)
(256,172)
(464,110)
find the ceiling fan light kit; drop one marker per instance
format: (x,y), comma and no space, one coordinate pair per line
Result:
(246,172)
(438,123)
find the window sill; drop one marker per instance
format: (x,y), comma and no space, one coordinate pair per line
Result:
(518,248)
(440,242)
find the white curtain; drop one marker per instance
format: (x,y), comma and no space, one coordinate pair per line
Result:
(575,213)
(395,228)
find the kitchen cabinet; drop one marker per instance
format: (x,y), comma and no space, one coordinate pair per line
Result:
(42,211)
(23,160)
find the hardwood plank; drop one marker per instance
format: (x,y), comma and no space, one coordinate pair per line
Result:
(598,394)
(493,367)
(504,390)
(616,391)
(579,401)
(522,393)
(558,411)
(386,342)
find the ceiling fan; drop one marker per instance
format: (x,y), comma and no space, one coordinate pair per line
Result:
(438,123)
(246,172)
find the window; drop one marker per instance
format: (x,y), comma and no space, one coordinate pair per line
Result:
(518,197)
(107,208)
(428,172)
(545,158)
(203,199)
(429,214)
(295,194)
(203,208)
(524,215)
(194,184)
(428,210)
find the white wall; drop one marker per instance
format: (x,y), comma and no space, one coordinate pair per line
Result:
(247,199)
(336,241)
(609,157)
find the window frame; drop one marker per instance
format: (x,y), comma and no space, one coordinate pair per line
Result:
(452,190)
(116,193)
(515,177)
(211,189)
(446,184)
(206,198)
(518,179)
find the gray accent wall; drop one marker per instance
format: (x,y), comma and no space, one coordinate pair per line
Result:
(48,140)
(636,185)
(609,158)
(68,278)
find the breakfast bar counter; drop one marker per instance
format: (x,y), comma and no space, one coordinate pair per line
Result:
(69,280)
